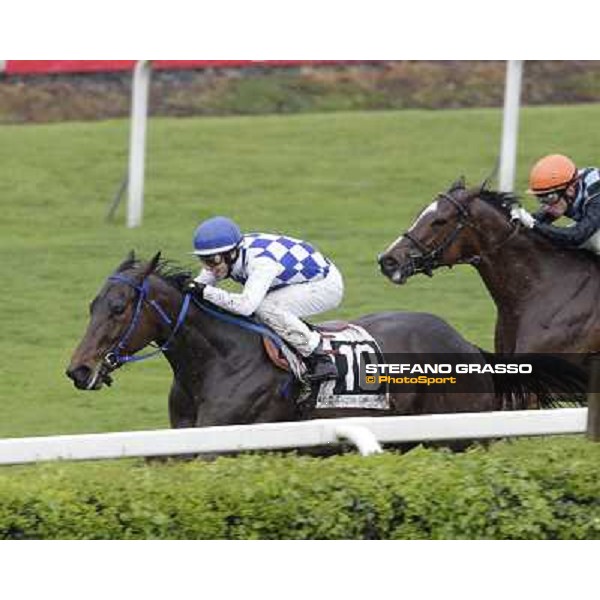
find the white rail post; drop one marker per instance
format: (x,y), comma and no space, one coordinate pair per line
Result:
(510,125)
(361,437)
(137,141)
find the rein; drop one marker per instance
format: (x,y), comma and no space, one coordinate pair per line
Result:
(428,259)
(115,358)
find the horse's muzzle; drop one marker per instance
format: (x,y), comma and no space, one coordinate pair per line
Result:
(392,269)
(80,376)
(85,378)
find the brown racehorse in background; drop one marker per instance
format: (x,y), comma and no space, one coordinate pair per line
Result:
(547,298)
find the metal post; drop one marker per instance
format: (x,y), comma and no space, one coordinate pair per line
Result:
(593,419)
(137,141)
(510,125)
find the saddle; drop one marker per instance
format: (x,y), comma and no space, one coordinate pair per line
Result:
(281,358)
(348,344)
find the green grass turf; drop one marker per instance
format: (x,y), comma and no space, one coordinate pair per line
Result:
(349,182)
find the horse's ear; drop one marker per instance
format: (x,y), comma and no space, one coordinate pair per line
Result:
(486,182)
(459,184)
(128,262)
(151,266)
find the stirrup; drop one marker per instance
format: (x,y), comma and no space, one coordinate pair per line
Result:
(317,360)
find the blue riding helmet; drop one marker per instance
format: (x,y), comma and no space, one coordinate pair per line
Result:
(215,236)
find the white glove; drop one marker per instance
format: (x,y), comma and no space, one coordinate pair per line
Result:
(518,213)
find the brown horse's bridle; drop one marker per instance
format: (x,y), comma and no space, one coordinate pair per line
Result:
(428,258)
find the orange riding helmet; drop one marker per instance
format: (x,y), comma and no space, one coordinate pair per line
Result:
(551,173)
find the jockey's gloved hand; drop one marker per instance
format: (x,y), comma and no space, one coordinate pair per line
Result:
(518,213)
(194,288)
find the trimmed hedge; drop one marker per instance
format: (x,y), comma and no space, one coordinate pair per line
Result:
(526,489)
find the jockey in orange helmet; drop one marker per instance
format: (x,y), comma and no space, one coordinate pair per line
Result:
(564,190)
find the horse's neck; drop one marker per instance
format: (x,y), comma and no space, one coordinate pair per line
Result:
(223,366)
(524,267)
(207,341)
(509,271)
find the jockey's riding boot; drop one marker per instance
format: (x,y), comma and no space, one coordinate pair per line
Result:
(321,365)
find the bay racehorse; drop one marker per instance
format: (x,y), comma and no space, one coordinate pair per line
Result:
(221,372)
(547,298)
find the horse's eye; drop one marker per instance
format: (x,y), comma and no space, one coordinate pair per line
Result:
(439,223)
(117,309)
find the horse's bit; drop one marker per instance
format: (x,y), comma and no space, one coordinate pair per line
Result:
(114,358)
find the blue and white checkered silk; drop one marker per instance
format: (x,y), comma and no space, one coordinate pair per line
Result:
(301,262)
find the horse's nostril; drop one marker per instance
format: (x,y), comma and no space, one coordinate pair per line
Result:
(79,376)
(388,263)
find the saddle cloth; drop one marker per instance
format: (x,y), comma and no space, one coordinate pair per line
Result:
(347,344)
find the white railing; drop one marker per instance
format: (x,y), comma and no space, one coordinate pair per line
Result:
(366,433)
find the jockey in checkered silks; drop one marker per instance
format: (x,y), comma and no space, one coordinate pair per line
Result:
(284,279)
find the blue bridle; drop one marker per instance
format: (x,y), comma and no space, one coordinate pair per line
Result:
(115,358)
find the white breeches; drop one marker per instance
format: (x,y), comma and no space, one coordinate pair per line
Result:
(282,308)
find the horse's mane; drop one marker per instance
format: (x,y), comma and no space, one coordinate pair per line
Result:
(501,201)
(172,273)
(169,271)
(175,276)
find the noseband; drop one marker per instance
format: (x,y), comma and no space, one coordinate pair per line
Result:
(115,357)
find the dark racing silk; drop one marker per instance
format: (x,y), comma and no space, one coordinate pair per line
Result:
(584,210)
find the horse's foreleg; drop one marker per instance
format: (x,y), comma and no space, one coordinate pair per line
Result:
(182,413)
(182,408)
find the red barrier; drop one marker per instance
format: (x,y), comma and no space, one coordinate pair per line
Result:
(43,67)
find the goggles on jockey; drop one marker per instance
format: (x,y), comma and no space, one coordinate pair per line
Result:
(214,260)
(551,198)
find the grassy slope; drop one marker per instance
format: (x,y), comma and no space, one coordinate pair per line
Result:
(349,182)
